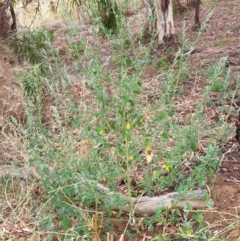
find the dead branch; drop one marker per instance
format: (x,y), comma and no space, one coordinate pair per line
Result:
(143,205)
(147,205)
(7,171)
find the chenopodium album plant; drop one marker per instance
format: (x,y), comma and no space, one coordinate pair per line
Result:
(119,137)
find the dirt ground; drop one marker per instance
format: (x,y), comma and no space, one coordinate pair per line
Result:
(11,101)
(221,38)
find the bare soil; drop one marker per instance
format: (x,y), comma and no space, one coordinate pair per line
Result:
(220,38)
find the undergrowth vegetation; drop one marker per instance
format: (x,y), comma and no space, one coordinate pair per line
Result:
(96,120)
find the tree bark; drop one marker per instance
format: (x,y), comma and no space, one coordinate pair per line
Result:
(197,10)
(14,21)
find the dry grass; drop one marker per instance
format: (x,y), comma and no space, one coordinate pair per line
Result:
(72,107)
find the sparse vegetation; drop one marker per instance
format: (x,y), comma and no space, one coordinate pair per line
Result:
(114,112)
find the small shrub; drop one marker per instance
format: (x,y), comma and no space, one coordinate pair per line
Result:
(31,46)
(108,11)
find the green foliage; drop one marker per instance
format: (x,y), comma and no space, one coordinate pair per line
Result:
(103,165)
(103,125)
(33,82)
(34,90)
(31,46)
(107,11)
(219,75)
(78,48)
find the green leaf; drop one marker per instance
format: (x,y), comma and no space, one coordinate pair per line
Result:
(127,42)
(189,206)
(138,122)
(165,135)
(64,221)
(162,116)
(184,76)
(82,134)
(193,146)
(76,122)
(171,113)
(131,102)
(129,63)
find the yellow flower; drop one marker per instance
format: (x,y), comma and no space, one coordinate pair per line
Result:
(154,174)
(159,223)
(114,213)
(149,153)
(169,206)
(130,158)
(149,157)
(101,130)
(128,126)
(166,167)
(189,233)
(148,148)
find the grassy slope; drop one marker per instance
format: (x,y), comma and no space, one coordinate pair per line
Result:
(127,114)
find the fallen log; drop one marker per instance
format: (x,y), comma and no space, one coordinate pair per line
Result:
(150,205)
(143,205)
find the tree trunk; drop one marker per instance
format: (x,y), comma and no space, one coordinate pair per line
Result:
(7,18)
(197,20)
